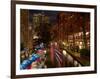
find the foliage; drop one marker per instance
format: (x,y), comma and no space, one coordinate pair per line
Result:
(22,46)
(85,52)
(44,33)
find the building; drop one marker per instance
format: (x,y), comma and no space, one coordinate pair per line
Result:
(25,30)
(73,29)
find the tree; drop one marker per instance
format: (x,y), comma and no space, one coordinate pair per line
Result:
(44,33)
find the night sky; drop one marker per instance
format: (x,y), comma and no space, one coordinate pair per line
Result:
(51,14)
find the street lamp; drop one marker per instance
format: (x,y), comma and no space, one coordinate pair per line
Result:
(64,52)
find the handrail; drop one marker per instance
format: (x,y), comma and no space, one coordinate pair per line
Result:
(74,57)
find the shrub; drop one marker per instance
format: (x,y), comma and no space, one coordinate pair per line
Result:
(84,52)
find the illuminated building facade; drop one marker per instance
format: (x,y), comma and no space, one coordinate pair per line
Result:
(26,30)
(74,29)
